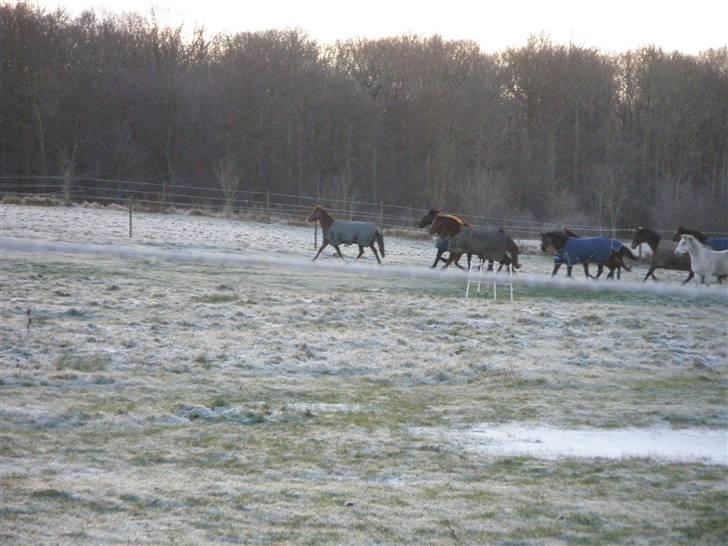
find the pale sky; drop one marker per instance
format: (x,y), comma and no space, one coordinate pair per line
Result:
(611,25)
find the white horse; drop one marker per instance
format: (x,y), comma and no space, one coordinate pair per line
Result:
(704,262)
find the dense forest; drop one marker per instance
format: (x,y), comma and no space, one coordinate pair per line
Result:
(551,132)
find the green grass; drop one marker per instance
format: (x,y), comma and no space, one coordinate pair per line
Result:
(215,298)
(91,363)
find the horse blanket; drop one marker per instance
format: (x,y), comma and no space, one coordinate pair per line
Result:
(488,243)
(343,232)
(586,250)
(443,244)
(717,243)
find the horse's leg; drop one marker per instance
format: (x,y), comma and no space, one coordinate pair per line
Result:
(650,272)
(338,251)
(490,265)
(457,261)
(376,254)
(569,269)
(586,270)
(556,268)
(690,276)
(451,258)
(361,251)
(437,258)
(326,243)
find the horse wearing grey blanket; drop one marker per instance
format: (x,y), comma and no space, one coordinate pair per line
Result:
(342,232)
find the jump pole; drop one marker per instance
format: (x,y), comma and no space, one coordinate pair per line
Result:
(495,284)
(467,287)
(510,278)
(480,275)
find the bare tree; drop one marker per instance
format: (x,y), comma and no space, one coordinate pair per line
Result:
(610,190)
(229,178)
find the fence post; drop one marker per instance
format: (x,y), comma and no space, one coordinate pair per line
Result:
(67,184)
(381,214)
(267,204)
(131,208)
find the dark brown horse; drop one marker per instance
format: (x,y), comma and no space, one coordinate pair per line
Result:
(572,250)
(614,263)
(448,226)
(343,232)
(663,253)
(716,243)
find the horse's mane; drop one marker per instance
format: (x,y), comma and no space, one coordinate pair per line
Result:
(650,232)
(694,232)
(453,218)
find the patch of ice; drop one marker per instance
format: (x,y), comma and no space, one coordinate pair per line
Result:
(326,408)
(547,442)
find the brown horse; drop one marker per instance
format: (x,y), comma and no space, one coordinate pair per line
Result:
(663,253)
(343,232)
(449,226)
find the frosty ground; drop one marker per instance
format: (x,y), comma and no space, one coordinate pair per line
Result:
(167,402)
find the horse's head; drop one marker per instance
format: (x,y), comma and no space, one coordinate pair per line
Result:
(316,214)
(552,241)
(428,218)
(678,234)
(446,225)
(639,237)
(437,227)
(686,243)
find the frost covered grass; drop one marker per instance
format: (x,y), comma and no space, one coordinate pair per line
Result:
(183,403)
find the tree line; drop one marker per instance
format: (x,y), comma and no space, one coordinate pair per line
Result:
(549,132)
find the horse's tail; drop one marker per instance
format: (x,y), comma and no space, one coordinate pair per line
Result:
(623,252)
(380,242)
(513,252)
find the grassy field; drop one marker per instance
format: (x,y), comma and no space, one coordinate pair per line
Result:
(161,403)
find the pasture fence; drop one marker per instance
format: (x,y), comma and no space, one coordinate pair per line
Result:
(144,196)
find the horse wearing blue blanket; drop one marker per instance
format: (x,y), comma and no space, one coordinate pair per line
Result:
(716,243)
(571,251)
(342,232)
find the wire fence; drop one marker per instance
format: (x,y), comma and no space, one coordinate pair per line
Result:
(159,197)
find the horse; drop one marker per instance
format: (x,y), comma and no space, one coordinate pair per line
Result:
(615,261)
(663,253)
(447,226)
(704,262)
(571,251)
(487,243)
(716,243)
(338,232)
(454,224)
